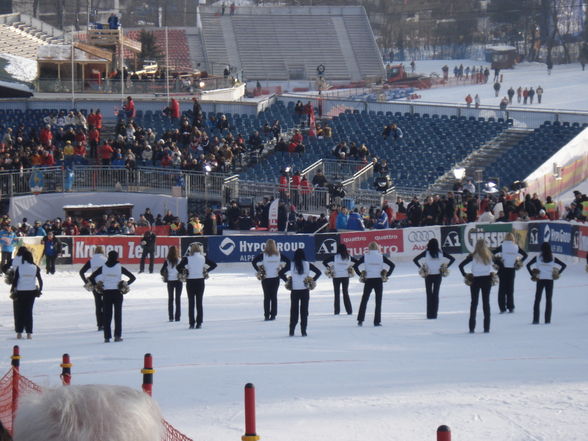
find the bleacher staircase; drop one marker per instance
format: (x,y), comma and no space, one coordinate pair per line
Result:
(482,157)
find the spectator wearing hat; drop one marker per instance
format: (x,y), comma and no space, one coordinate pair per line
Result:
(37,230)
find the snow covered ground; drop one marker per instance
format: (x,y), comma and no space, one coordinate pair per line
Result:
(399,382)
(21,69)
(565,89)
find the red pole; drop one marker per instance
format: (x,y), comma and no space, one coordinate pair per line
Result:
(66,370)
(443,433)
(15,362)
(148,372)
(250,434)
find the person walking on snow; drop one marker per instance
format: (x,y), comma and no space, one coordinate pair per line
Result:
(539,92)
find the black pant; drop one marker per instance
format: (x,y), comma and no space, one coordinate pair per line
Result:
(299,306)
(195,290)
(99,306)
(506,289)
(339,282)
(432,285)
(484,284)
(376,285)
(112,299)
(151,254)
(270,297)
(548,285)
(176,286)
(6,259)
(50,264)
(23,311)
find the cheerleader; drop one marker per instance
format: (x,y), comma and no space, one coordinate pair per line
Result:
(271,259)
(300,291)
(342,263)
(97,260)
(509,251)
(196,264)
(433,260)
(481,280)
(24,292)
(111,273)
(373,264)
(169,272)
(543,272)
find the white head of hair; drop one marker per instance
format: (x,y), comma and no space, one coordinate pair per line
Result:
(88,413)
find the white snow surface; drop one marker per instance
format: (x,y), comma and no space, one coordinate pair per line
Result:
(22,69)
(520,382)
(565,89)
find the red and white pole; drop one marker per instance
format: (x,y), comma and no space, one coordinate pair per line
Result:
(148,372)
(443,433)
(15,362)
(250,433)
(65,370)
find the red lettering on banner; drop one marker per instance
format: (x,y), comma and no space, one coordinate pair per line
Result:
(390,241)
(128,247)
(583,245)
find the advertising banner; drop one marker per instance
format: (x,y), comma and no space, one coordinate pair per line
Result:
(416,239)
(391,241)
(245,248)
(128,247)
(493,234)
(452,239)
(559,235)
(325,245)
(65,257)
(582,241)
(186,241)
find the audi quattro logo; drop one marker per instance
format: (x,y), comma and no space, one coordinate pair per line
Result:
(421,236)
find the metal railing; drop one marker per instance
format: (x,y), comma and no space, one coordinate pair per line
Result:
(148,86)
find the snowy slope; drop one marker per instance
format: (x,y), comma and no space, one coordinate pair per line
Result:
(397,382)
(565,89)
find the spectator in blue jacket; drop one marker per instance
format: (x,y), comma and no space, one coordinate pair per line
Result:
(37,230)
(51,250)
(342,219)
(355,221)
(8,240)
(381,220)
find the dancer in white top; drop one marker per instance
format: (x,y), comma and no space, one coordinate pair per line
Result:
(507,265)
(434,261)
(544,264)
(342,262)
(481,281)
(97,260)
(197,265)
(271,259)
(25,291)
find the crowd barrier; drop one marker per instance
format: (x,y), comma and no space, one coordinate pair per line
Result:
(568,239)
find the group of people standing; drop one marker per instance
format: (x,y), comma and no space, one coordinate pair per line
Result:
(485,266)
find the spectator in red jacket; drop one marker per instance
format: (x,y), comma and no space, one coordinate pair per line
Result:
(105,153)
(47,159)
(129,108)
(46,136)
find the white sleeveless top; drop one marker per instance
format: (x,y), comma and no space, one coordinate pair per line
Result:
(298,279)
(434,264)
(195,266)
(341,266)
(97,261)
(271,265)
(510,252)
(373,264)
(481,269)
(111,276)
(172,272)
(27,274)
(545,268)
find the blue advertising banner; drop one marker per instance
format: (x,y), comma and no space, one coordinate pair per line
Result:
(559,236)
(245,248)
